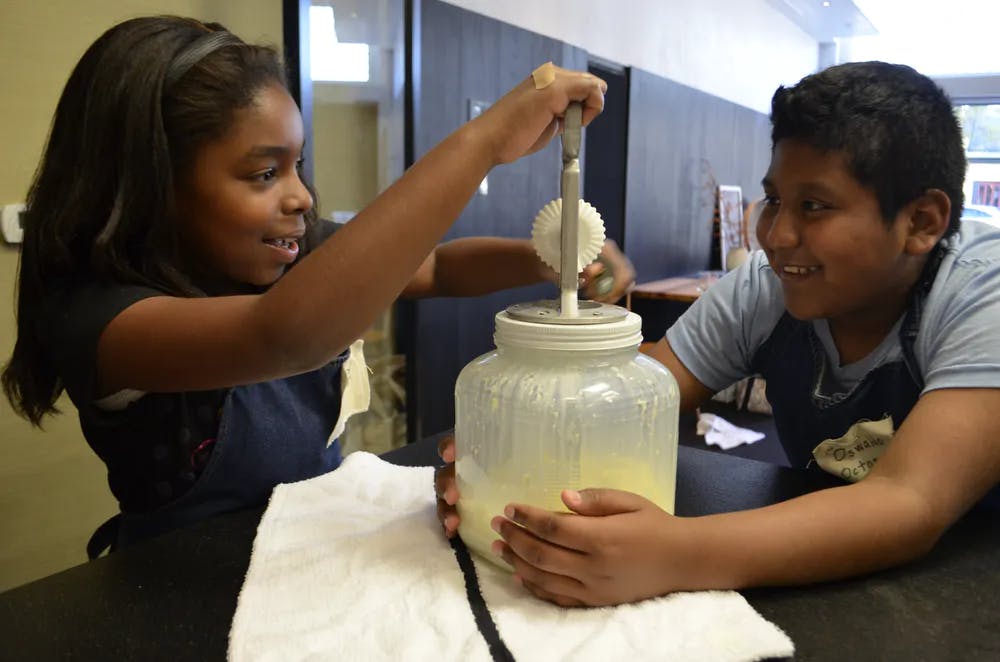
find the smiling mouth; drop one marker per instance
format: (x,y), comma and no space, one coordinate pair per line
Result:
(286,243)
(286,249)
(796,270)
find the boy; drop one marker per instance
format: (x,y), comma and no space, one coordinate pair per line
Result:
(872,314)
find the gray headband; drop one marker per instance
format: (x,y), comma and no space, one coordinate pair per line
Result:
(195,52)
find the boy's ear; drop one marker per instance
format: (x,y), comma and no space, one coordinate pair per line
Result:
(929,216)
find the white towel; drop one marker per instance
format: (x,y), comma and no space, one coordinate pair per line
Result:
(722,433)
(353,565)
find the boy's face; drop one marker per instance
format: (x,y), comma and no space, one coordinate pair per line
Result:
(241,206)
(825,238)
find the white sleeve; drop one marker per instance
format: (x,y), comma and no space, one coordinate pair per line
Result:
(958,344)
(717,337)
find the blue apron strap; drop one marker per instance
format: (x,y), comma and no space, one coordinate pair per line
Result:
(269,433)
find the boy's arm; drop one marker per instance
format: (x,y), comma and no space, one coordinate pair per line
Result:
(693,392)
(944,457)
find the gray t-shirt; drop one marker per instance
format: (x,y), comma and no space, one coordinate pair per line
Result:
(958,344)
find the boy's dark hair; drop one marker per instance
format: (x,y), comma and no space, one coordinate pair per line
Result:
(897,127)
(101,207)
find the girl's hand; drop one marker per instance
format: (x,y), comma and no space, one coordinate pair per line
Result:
(607,279)
(525,119)
(624,549)
(446,489)
(610,277)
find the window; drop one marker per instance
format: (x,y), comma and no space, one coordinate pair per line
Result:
(981,135)
(981,130)
(329,59)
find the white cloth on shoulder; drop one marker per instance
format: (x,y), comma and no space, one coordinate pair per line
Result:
(352,565)
(355,389)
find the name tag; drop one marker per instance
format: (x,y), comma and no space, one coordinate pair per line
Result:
(852,456)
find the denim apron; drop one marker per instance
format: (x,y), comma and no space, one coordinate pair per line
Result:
(269,433)
(804,417)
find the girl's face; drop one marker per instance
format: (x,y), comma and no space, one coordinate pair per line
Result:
(825,238)
(241,204)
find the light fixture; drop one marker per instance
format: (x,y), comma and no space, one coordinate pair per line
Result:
(331,59)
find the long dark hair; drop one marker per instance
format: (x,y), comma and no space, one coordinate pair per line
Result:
(101,207)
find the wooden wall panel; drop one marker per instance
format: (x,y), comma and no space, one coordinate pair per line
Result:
(681,144)
(457,56)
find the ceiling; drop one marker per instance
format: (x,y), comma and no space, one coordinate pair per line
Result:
(953,38)
(826,20)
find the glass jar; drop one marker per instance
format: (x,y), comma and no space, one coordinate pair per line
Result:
(561,406)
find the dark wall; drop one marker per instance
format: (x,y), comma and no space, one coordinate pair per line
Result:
(681,144)
(295,34)
(457,56)
(607,139)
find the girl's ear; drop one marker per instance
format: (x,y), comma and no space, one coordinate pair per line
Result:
(929,218)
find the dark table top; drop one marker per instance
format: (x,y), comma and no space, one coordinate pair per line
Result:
(173,598)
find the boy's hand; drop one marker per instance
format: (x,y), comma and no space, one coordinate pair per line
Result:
(610,277)
(446,489)
(623,550)
(526,119)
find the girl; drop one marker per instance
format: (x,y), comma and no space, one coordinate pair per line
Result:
(156,282)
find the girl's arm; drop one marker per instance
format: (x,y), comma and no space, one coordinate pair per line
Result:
(473,266)
(332,295)
(479,265)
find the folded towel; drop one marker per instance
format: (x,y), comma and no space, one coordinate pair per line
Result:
(353,565)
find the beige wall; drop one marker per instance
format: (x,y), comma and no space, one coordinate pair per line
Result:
(52,488)
(257,21)
(345,139)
